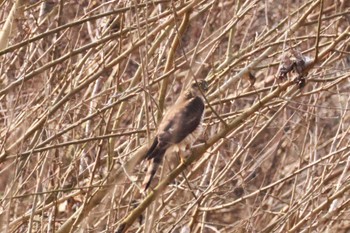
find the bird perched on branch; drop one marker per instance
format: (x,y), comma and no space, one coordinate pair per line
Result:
(179,128)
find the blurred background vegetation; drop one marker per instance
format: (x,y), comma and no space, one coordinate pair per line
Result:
(84,85)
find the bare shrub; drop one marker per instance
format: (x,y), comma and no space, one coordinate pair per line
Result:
(84,85)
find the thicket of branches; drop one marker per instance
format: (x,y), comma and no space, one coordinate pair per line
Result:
(84,85)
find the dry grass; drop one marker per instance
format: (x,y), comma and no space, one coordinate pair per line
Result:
(83,87)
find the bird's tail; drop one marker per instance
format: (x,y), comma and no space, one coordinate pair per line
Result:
(151,171)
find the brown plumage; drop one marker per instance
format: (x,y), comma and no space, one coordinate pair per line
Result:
(180,127)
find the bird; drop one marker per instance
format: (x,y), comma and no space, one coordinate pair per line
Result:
(179,128)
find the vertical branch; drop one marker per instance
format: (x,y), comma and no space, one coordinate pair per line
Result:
(318,30)
(7,28)
(170,62)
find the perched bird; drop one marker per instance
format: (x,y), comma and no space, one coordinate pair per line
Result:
(179,128)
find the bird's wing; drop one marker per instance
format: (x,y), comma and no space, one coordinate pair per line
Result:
(183,121)
(158,148)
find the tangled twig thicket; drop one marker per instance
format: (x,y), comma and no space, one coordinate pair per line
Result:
(84,86)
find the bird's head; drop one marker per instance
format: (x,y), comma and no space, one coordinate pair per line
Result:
(196,89)
(198,86)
